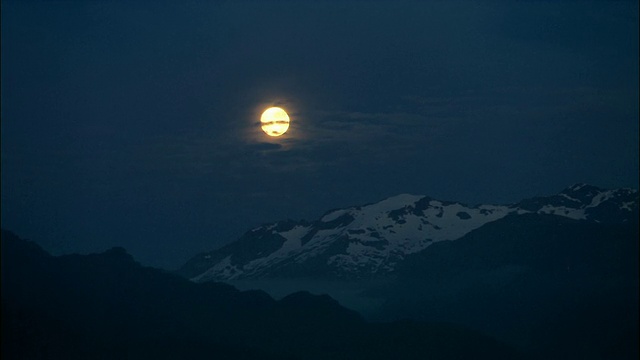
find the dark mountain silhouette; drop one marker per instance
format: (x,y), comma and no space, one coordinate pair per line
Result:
(558,287)
(107,306)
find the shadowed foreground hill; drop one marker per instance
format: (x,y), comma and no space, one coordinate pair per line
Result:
(558,287)
(106,306)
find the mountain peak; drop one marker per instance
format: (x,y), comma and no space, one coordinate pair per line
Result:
(399,201)
(578,187)
(582,189)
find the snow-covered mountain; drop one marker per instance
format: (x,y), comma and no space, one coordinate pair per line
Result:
(370,240)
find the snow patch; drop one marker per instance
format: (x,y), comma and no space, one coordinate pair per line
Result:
(627,206)
(600,198)
(333,215)
(569,197)
(223,268)
(576,214)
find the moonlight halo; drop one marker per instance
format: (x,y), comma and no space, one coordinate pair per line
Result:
(274,121)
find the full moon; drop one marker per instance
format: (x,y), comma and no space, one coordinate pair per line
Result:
(274,121)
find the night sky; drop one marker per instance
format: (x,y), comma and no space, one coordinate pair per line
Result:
(136,124)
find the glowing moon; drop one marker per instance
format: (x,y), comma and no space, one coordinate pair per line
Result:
(274,121)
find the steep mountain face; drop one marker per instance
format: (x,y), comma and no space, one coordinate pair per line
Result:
(371,240)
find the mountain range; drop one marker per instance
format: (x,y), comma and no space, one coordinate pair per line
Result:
(107,306)
(552,277)
(373,240)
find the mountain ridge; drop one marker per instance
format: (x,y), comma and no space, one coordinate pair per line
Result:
(108,306)
(371,240)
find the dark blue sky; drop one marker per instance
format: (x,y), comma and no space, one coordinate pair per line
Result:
(135,123)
